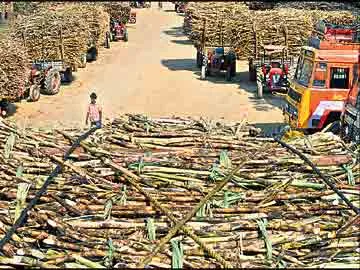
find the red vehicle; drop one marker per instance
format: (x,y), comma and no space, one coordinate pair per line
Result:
(271,70)
(119,31)
(180,6)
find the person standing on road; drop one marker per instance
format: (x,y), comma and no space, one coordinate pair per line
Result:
(160,5)
(94,113)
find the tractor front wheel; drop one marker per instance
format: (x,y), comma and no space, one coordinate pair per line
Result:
(259,84)
(52,82)
(67,76)
(34,93)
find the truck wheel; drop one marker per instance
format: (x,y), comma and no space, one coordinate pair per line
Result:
(52,82)
(67,76)
(34,93)
(126,36)
(259,85)
(107,40)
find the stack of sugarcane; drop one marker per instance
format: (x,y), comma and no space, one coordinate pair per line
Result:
(52,35)
(316,5)
(95,17)
(126,186)
(218,16)
(14,68)
(118,10)
(246,29)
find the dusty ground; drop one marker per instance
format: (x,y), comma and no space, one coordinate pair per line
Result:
(154,73)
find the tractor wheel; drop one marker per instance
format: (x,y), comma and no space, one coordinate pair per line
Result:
(52,82)
(126,36)
(259,85)
(34,93)
(107,41)
(228,73)
(67,76)
(199,59)
(252,73)
(91,54)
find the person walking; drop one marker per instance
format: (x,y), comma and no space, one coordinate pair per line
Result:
(160,5)
(94,113)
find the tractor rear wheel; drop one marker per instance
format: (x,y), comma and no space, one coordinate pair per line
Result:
(52,82)
(199,59)
(107,41)
(259,84)
(126,36)
(91,54)
(34,93)
(67,76)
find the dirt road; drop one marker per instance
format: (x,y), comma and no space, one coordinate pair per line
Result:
(154,73)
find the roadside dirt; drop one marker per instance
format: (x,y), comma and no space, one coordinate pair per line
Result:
(154,73)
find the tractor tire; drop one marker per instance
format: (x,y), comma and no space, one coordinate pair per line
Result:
(107,41)
(52,82)
(199,59)
(91,54)
(67,76)
(34,93)
(259,85)
(126,36)
(252,73)
(83,61)
(228,73)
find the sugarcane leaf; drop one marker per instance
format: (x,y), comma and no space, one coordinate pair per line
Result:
(350,175)
(225,161)
(10,142)
(177,254)
(22,192)
(262,223)
(107,209)
(19,171)
(151,229)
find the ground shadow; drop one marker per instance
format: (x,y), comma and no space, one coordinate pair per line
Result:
(169,10)
(176,31)
(241,79)
(180,64)
(182,42)
(250,87)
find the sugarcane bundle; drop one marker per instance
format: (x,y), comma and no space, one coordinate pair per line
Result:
(316,5)
(52,35)
(218,17)
(274,210)
(285,26)
(14,68)
(96,19)
(118,10)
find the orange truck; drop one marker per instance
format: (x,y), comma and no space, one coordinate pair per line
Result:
(324,77)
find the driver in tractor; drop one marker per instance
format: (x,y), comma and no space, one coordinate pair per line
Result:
(216,59)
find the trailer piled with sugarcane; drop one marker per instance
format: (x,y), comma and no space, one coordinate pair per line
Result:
(178,192)
(248,30)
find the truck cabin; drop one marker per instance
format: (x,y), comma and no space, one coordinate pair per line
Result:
(326,69)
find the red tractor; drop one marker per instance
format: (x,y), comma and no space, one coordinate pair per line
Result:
(271,71)
(180,6)
(118,31)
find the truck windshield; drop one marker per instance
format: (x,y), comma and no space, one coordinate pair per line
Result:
(304,72)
